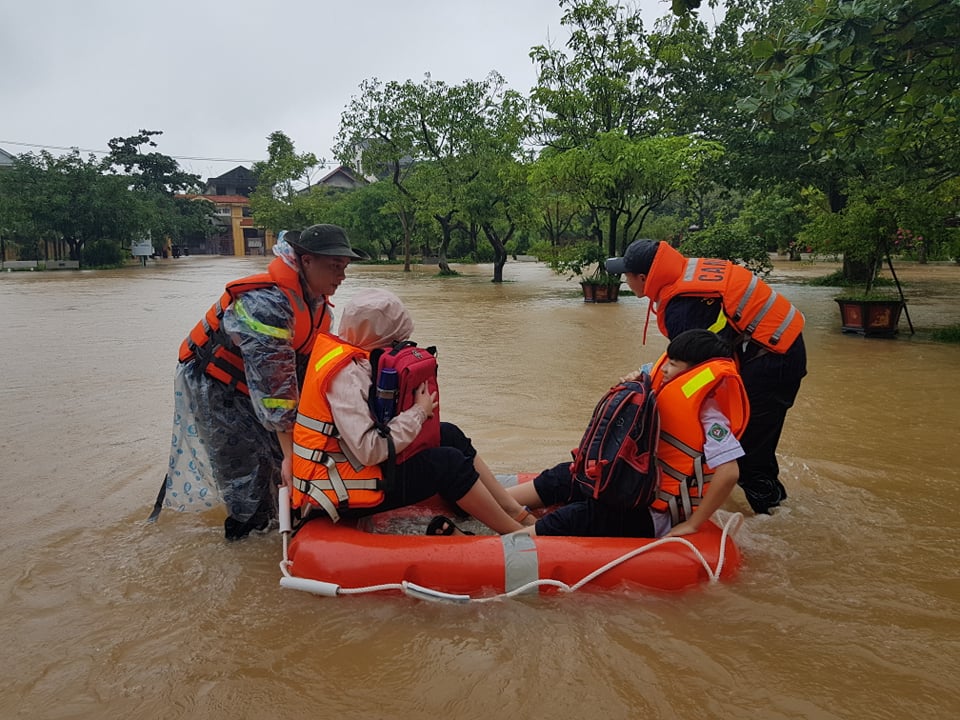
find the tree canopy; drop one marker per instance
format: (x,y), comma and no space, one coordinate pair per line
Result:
(761,128)
(76,200)
(434,141)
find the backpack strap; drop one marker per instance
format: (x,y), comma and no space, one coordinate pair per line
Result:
(399,345)
(389,466)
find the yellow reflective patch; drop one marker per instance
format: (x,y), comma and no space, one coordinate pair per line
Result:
(257,326)
(702,378)
(274,403)
(336,352)
(719,324)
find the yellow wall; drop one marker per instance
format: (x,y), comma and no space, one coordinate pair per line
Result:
(236,215)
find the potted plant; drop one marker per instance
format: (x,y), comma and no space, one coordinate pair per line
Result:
(870,314)
(861,233)
(585,260)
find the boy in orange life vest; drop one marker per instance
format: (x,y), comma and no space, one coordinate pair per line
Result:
(764,329)
(702,404)
(238,379)
(338,449)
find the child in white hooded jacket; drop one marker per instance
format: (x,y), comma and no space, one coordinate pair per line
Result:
(377,318)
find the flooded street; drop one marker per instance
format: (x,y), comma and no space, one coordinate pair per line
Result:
(847,605)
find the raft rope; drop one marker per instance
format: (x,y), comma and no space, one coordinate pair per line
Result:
(327,589)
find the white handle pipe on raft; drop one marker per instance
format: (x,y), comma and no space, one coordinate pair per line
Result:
(317,587)
(283,500)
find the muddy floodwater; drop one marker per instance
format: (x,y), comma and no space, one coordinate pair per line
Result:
(847,604)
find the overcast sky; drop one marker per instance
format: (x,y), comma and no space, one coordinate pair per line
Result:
(218,77)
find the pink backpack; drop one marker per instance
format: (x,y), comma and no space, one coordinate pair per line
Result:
(406,366)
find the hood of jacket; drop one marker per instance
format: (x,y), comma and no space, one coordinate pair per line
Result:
(374,318)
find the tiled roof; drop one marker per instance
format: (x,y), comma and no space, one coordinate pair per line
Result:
(238,174)
(342,170)
(220,199)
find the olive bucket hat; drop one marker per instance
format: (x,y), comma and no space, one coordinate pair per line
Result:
(324,239)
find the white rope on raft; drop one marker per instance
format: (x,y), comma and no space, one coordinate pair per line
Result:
(327,589)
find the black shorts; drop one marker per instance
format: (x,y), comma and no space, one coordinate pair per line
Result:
(582,516)
(446,471)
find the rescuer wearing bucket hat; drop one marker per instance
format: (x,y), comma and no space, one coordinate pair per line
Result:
(323,253)
(238,381)
(762,326)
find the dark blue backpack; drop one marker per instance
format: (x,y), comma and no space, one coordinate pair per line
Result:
(615,462)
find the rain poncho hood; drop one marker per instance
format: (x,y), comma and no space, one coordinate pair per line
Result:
(374,318)
(285,251)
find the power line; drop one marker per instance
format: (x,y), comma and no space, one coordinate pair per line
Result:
(107,152)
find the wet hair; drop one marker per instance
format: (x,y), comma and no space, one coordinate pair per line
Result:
(697,346)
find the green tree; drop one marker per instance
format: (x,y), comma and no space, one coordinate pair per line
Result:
(432,140)
(15,218)
(601,110)
(279,201)
(774,215)
(149,170)
(376,134)
(556,205)
(620,180)
(706,69)
(71,199)
(499,202)
(873,85)
(882,75)
(369,219)
(729,241)
(161,187)
(601,82)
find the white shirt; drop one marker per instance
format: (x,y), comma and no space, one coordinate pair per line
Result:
(720,445)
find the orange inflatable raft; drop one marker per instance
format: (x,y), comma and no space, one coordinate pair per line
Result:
(341,558)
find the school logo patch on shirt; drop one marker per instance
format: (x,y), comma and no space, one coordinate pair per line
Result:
(718,432)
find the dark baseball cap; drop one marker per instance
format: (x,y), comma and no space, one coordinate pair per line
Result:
(637,259)
(324,239)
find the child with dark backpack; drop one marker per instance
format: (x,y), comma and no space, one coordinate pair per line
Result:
(688,452)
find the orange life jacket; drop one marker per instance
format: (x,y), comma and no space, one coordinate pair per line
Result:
(221,357)
(684,475)
(324,473)
(750,306)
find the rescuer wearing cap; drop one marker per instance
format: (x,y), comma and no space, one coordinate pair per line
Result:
(763,328)
(238,381)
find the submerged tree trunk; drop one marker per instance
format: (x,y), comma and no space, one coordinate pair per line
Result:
(446,227)
(613,219)
(499,249)
(406,223)
(861,272)
(855,270)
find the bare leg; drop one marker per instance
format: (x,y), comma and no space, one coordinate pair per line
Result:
(482,505)
(511,506)
(525,494)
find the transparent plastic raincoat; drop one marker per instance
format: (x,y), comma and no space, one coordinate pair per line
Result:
(224,445)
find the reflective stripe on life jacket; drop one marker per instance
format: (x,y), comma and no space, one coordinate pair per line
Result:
(751,307)
(684,475)
(324,473)
(214,348)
